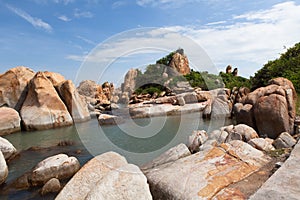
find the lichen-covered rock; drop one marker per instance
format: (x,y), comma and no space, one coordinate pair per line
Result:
(43,108)
(9,121)
(204,174)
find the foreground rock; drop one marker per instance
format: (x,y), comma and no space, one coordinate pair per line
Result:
(59,166)
(52,186)
(9,121)
(205,174)
(77,107)
(13,86)
(271,110)
(7,149)
(43,108)
(284,140)
(173,154)
(3,169)
(284,183)
(107,176)
(124,183)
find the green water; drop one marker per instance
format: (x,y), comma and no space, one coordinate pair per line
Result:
(139,140)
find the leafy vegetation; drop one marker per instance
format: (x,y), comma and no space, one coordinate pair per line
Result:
(287,66)
(166,60)
(231,81)
(204,80)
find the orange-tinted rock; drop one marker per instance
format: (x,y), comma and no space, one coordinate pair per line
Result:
(180,63)
(54,77)
(77,107)
(13,86)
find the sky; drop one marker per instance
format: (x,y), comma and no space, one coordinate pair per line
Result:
(102,39)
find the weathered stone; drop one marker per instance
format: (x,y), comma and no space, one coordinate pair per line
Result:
(188,97)
(54,77)
(271,115)
(43,108)
(74,102)
(233,136)
(166,99)
(180,63)
(244,114)
(173,154)
(196,140)
(59,166)
(105,119)
(7,148)
(219,135)
(52,186)
(126,182)
(3,169)
(284,183)
(91,173)
(129,81)
(204,174)
(229,194)
(9,121)
(261,144)
(13,86)
(220,108)
(284,140)
(245,131)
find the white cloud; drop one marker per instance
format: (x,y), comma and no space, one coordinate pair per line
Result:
(165,3)
(82,14)
(64,18)
(66,2)
(86,40)
(36,22)
(246,41)
(118,4)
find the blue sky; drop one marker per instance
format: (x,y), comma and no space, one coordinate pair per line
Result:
(57,35)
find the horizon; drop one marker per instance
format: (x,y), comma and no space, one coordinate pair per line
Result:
(57,35)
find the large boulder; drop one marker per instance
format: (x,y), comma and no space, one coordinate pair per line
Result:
(92,172)
(204,174)
(13,86)
(180,63)
(54,77)
(7,148)
(93,92)
(9,121)
(171,155)
(43,108)
(271,109)
(3,169)
(77,107)
(220,108)
(129,81)
(58,166)
(124,183)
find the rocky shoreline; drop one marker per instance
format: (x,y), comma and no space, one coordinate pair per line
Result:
(213,165)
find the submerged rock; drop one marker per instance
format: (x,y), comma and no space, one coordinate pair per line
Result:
(52,186)
(9,121)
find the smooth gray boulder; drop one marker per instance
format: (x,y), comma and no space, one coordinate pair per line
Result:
(7,148)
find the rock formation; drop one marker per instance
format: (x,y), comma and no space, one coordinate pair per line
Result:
(7,148)
(180,63)
(43,108)
(271,110)
(77,107)
(9,121)
(228,69)
(13,86)
(3,169)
